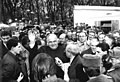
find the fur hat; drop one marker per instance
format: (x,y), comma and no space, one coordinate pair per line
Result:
(90,60)
(101,78)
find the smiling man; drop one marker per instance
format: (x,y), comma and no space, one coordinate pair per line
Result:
(54,50)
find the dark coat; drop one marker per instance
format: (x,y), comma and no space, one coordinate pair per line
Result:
(59,52)
(10,68)
(3,49)
(0,71)
(88,51)
(75,71)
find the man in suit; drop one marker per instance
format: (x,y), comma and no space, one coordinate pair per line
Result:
(75,70)
(92,50)
(5,36)
(11,69)
(82,41)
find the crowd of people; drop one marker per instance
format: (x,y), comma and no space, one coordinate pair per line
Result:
(38,53)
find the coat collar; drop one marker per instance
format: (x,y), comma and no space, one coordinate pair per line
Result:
(13,56)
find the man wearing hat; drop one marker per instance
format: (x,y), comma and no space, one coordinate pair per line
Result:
(94,68)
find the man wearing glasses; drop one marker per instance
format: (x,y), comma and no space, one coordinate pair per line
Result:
(82,41)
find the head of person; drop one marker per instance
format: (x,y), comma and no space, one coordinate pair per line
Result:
(91,34)
(52,41)
(92,65)
(116,34)
(22,34)
(116,56)
(93,43)
(82,37)
(31,36)
(69,34)
(43,67)
(62,38)
(110,40)
(14,46)
(5,36)
(103,52)
(74,36)
(25,41)
(71,50)
(102,48)
(101,37)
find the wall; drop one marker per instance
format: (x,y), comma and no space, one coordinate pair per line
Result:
(90,14)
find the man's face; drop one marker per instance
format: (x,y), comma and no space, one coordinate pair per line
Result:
(68,54)
(52,42)
(17,49)
(5,38)
(101,37)
(82,37)
(108,41)
(115,60)
(62,39)
(100,52)
(91,35)
(94,43)
(116,35)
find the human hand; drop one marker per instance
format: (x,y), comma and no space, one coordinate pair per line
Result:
(20,77)
(58,61)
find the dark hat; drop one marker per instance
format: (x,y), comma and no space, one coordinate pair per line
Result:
(90,60)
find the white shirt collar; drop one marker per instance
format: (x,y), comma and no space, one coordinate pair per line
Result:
(71,59)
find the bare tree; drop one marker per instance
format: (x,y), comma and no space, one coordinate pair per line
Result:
(46,10)
(0,10)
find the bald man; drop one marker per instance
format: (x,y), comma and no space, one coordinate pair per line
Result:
(54,50)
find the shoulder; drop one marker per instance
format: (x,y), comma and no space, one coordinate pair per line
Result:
(8,59)
(79,58)
(43,49)
(61,47)
(88,51)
